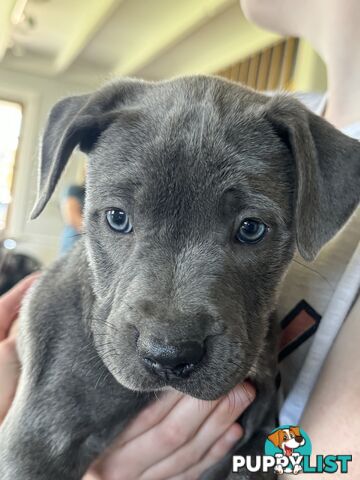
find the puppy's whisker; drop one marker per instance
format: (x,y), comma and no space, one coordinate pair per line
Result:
(111,325)
(102,345)
(85,347)
(233,403)
(133,307)
(103,376)
(78,235)
(235,364)
(108,353)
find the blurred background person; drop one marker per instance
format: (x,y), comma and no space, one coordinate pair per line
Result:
(72,206)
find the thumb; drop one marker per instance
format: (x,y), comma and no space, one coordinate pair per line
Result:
(9,375)
(10,303)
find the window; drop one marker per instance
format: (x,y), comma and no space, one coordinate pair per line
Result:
(10,126)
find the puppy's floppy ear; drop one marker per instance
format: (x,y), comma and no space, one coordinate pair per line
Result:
(62,133)
(73,121)
(327,172)
(275,438)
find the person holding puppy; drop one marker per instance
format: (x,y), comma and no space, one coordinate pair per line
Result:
(332,288)
(178,437)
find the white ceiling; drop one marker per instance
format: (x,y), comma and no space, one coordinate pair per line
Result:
(54,24)
(149,38)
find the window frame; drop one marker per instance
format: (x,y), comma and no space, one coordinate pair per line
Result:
(21,103)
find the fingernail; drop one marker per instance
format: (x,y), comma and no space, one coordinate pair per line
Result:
(249,391)
(233,435)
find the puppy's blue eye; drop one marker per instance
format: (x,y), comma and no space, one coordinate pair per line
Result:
(251,231)
(119,221)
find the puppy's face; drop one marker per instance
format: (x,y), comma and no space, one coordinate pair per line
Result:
(189,227)
(197,191)
(287,439)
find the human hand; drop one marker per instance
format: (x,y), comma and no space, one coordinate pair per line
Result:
(10,304)
(175,438)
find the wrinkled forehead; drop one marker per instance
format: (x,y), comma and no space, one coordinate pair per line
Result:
(190,150)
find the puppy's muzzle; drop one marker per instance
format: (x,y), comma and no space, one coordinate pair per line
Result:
(171,361)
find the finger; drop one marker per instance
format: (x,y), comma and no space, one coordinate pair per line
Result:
(150,416)
(222,446)
(178,427)
(12,333)
(10,303)
(9,375)
(225,414)
(91,475)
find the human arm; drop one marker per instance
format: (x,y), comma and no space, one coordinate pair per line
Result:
(9,364)
(331,417)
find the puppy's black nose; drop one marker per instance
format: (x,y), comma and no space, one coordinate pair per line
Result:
(172,360)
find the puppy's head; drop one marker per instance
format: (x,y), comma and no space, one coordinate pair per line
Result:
(198,192)
(287,438)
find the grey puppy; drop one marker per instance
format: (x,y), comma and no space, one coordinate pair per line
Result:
(198,193)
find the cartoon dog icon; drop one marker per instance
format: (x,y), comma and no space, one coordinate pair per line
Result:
(287,439)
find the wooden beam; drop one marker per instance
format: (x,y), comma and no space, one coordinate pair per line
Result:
(95,15)
(6,9)
(190,16)
(264,68)
(288,62)
(275,66)
(253,70)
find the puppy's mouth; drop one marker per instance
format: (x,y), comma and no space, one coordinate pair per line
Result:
(288,451)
